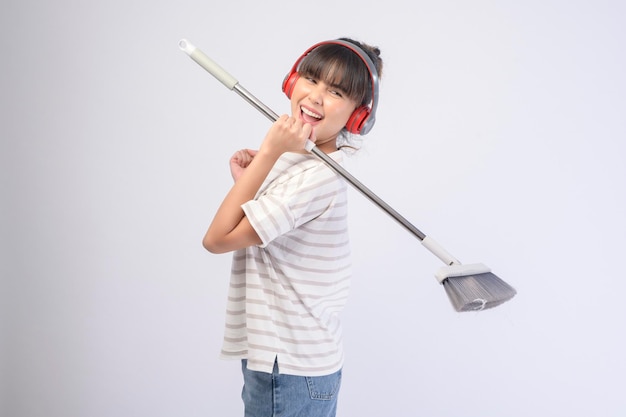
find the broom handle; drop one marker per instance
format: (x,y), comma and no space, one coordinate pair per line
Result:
(232,84)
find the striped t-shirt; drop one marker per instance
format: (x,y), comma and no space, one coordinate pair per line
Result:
(285,295)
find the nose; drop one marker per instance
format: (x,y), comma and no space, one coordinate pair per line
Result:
(316,94)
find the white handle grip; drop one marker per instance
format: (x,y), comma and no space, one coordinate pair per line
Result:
(208,64)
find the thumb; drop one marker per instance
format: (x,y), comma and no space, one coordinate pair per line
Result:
(309,144)
(312,136)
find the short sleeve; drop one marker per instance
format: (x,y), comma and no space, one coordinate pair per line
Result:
(301,193)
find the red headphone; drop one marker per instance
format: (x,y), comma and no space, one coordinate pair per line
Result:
(362,119)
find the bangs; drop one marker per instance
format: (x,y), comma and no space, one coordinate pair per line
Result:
(340,68)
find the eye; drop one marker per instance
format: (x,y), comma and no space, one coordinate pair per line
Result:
(311,80)
(336,93)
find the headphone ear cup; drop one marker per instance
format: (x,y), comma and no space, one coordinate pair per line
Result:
(290,82)
(357,119)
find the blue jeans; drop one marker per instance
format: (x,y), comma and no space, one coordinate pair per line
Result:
(280,395)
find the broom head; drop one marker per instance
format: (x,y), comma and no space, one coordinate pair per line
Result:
(473,287)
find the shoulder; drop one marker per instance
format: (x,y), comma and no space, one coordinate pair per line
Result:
(301,168)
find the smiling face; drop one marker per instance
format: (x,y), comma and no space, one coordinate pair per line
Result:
(333,81)
(326,107)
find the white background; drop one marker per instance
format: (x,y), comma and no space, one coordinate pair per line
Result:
(501,133)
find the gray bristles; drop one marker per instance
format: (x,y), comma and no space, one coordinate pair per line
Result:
(477,292)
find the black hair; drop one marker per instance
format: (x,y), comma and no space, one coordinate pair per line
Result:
(338,66)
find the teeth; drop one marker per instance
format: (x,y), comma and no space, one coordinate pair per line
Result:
(310,113)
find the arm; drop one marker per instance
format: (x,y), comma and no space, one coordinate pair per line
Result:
(230,229)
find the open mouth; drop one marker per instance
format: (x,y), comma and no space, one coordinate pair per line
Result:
(310,116)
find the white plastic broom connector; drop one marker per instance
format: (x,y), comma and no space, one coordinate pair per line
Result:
(439,251)
(454,267)
(458,270)
(208,64)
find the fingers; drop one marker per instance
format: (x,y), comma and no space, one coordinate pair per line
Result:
(243,157)
(290,123)
(288,134)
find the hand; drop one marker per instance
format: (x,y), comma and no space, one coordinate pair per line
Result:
(240,161)
(287,134)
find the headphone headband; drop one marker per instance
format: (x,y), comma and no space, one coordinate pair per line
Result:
(363,118)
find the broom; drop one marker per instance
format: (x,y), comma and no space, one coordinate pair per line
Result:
(470,287)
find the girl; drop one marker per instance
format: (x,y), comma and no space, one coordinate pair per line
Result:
(285,218)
